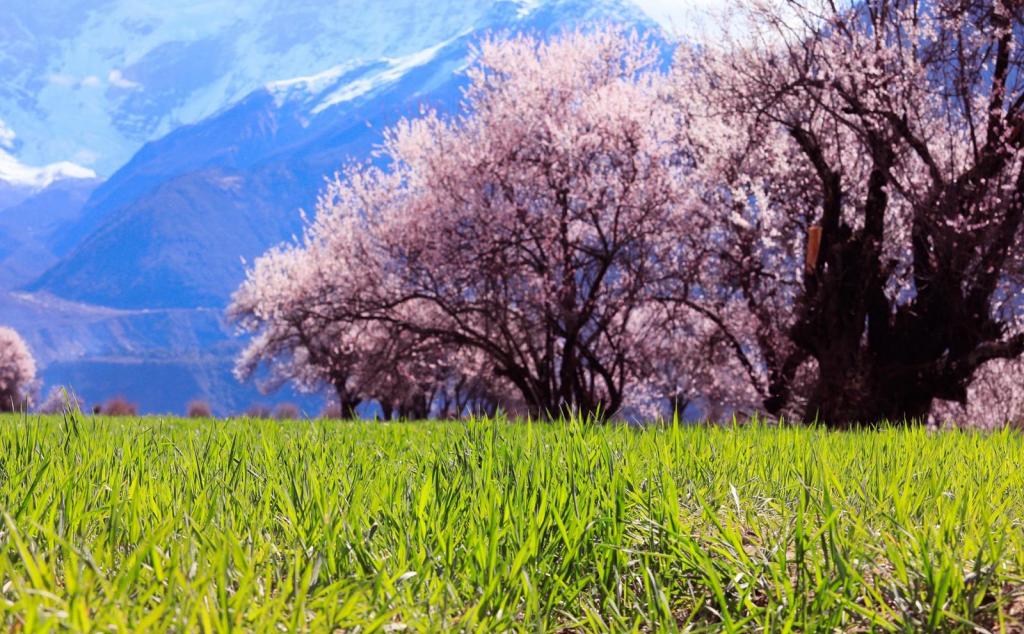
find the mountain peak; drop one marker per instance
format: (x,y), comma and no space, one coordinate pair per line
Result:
(16,173)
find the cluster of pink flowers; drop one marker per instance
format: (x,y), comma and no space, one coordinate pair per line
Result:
(18,383)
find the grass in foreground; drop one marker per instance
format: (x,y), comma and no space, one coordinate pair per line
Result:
(254,525)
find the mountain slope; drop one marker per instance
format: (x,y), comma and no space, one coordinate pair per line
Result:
(171,228)
(29,228)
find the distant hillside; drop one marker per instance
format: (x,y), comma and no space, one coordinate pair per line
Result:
(29,229)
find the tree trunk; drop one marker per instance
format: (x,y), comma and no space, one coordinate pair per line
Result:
(348,409)
(849,395)
(347,402)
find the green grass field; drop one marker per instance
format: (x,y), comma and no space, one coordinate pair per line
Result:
(171,525)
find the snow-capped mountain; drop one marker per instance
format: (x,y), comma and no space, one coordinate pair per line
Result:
(150,259)
(17,174)
(19,181)
(89,81)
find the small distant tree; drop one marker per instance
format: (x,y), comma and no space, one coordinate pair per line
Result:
(18,382)
(198,409)
(119,406)
(61,399)
(287,411)
(258,411)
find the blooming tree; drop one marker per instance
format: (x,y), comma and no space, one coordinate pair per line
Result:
(820,217)
(540,221)
(61,399)
(17,372)
(286,301)
(860,184)
(302,302)
(519,245)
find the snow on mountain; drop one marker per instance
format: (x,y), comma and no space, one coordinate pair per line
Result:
(169,228)
(282,139)
(303,87)
(395,69)
(17,173)
(348,81)
(7,136)
(90,81)
(526,7)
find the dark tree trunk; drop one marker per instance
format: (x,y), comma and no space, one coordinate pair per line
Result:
(347,402)
(865,394)
(348,409)
(879,360)
(416,407)
(871,366)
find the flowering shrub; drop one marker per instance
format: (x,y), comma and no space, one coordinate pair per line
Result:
(60,399)
(18,383)
(198,409)
(119,406)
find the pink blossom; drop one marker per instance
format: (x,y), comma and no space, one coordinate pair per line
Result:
(18,383)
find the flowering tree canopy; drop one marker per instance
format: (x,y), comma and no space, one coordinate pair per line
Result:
(862,186)
(305,305)
(539,222)
(534,229)
(17,372)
